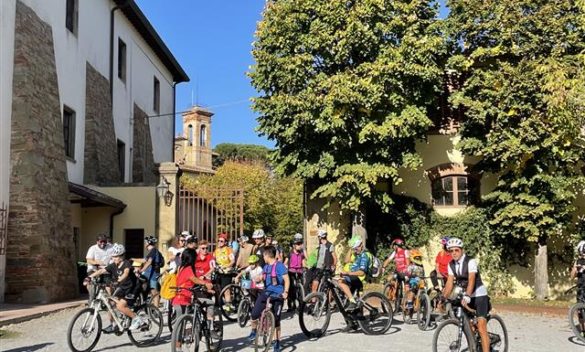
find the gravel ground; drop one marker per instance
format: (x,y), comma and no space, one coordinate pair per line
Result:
(527,332)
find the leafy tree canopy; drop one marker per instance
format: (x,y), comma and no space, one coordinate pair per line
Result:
(240,152)
(345,89)
(522,65)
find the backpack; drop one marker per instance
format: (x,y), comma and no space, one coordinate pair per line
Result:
(166,292)
(375,267)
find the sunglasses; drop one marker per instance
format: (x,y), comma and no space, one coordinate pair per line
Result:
(454,250)
(203,248)
(102,242)
(220,241)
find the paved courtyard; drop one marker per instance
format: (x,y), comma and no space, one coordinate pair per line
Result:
(527,332)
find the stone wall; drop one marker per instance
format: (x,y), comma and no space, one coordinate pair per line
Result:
(142,157)
(40,263)
(101,145)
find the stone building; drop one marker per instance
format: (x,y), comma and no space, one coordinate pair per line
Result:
(193,151)
(86,116)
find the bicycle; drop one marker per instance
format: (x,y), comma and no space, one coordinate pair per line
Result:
(266,328)
(373,314)
(194,325)
(91,321)
(461,333)
(394,291)
(422,307)
(577,314)
(299,288)
(229,310)
(246,303)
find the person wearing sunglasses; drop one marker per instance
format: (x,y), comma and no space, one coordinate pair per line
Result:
(98,255)
(464,272)
(225,260)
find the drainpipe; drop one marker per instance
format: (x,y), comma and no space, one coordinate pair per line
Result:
(117,212)
(174,121)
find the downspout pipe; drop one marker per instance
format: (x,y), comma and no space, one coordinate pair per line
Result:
(117,212)
(174,121)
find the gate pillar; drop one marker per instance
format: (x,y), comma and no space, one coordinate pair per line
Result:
(166,223)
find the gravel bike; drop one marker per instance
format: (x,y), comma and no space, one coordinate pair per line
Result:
(461,333)
(577,314)
(373,314)
(85,328)
(195,325)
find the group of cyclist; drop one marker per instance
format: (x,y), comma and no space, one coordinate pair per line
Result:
(274,276)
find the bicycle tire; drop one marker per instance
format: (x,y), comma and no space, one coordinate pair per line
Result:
(265,332)
(442,332)
(366,321)
(97,328)
(497,335)
(151,328)
(423,315)
(311,310)
(237,295)
(575,328)
(185,332)
(214,344)
(244,312)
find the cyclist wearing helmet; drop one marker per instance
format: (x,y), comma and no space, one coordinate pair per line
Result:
(121,272)
(151,267)
(296,262)
(464,272)
(414,272)
(352,280)
(441,264)
(401,262)
(258,248)
(255,274)
(326,259)
(244,253)
(578,272)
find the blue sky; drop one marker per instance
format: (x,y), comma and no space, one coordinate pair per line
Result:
(212,40)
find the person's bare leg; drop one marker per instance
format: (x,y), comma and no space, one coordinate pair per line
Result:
(485,339)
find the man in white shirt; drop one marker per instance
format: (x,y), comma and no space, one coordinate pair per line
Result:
(98,255)
(464,272)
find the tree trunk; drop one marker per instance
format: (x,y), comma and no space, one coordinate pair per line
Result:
(541,271)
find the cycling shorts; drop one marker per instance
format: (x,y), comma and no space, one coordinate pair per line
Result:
(482,306)
(354,283)
(260,305)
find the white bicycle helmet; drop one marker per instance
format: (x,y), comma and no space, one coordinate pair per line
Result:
(150,240)
(581,248)
(321,233)
(118,250)
(258,234)
(298,238)
(454,242)
(185,233)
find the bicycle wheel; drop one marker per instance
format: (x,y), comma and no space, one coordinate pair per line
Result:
(577,320)
(185,336)
(265,332)
(423,315)
(230,310)
(315,315)
(375,317)
(498,334)
(451,337)
(215,331)
(151,328)
(244,312)
(84,330)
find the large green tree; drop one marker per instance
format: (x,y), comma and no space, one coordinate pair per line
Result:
(240,152)
(521,64)
(345,89)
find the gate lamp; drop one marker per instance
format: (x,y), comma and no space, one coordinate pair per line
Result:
(163,191)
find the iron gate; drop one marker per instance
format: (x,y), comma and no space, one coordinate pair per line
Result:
(210,211)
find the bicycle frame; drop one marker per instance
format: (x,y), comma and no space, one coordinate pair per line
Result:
(103,300)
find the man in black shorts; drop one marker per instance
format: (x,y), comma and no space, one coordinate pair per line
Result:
(125,280)
(464,272)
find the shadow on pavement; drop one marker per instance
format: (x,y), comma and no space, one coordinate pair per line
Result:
(30,348)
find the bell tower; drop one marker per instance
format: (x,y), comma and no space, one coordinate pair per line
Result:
(193,149)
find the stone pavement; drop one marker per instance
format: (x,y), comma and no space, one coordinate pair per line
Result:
(17,313)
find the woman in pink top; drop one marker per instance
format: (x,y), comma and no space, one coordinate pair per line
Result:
(296,262)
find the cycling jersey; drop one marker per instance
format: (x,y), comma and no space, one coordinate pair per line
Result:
(361,262)
(400,257)
(203,266)
(461,269)
(223,256)
(442,260)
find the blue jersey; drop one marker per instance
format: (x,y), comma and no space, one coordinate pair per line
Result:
(274,285)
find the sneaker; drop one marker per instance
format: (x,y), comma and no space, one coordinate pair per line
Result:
(252,336)
(111,329)
(136,323)
(276,346)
